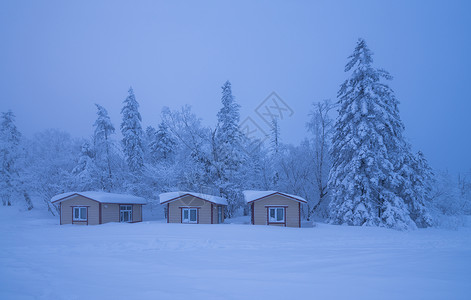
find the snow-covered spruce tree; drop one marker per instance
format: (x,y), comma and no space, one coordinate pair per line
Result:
(367,140)
(9,147)
(104,147)
(132,134)
(229,155)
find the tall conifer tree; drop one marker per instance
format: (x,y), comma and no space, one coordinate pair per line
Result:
(229,153)
(132,133)
(367,142)
(104,146)
(9,147)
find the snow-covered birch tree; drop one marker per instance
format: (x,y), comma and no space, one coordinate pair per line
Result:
(320,126)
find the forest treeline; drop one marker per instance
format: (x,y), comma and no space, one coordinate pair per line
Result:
(354,166)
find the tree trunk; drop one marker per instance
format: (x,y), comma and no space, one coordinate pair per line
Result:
(48,203)
(28,201)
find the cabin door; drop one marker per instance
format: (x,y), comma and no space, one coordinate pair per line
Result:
(219,214)
(189,215)
(125,213)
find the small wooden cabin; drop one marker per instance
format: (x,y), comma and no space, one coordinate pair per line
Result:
(274,208)
(93,208)
(193,208)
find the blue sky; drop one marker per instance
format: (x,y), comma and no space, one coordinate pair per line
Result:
(58,58)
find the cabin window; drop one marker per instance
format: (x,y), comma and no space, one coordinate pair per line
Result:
(189,215)
(80,214)
(276,214)
(125,213)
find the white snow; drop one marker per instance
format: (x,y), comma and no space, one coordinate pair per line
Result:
(254,195)
(40,259)
(164,197)
(102,197)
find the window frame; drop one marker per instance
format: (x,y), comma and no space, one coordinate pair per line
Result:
(80,218)
(275,219)
(121,210)
(189,209)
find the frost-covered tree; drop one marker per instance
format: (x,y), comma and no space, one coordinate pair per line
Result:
(367,140)
(297,175)
(423,186)
(320,126)
(447,197)
(149,139)
(228,155)
(416,185)
(9,148)
(275,145)
(132,133)
(464,187)
(104,147)
(192,166)
(256,171)
(163,145)
(86,173)
(228,134)
(275,135)
(51,155)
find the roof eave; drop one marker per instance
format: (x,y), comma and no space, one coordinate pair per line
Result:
(188,194)
(278,193)
(78,194)
(64,198)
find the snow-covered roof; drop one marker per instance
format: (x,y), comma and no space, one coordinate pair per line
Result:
(255,195)
(167,197)
(102,197)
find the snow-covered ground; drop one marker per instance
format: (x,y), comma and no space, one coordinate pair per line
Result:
(153,260)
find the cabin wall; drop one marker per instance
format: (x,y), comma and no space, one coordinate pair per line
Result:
(136,213)
(204,209)
(109,212)
(260,216)
(92,206)
(215,213)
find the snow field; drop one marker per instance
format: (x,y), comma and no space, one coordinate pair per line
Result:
(153,260)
